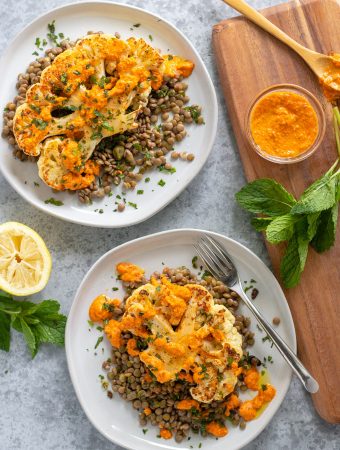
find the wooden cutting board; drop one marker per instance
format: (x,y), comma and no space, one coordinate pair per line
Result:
(248,61)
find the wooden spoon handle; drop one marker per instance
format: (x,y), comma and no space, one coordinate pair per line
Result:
(253,15)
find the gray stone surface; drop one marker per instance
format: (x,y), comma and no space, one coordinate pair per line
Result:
(38,407)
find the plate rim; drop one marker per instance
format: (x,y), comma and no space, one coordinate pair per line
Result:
(71,368)
(41,206)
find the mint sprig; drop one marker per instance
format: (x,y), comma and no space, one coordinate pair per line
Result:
(310,220)
(38,322)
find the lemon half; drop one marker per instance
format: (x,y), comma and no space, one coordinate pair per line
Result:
(25,262)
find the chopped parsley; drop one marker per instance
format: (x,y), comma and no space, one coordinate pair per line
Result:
(99,340)
(162,92)
(230,360)
(145,430)
(161,183)
(194,262)
(115,289)
(63,78)
(150,37)
(163,169)
(52,36)
(264,387)
(37,43)
(39,123)
(147,180)
(246,289)
(140,192)
(96,135)
(137,146)
(35,108)
(53,201)
(134,205)
(103,81)
(206,273)
(194,112)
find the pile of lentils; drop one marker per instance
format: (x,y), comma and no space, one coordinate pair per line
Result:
(125,373)
(124,158)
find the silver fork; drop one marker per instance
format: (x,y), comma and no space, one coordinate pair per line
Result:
(222,268)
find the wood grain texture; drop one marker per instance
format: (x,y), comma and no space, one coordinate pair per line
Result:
(249,60)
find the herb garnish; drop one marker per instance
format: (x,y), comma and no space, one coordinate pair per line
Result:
(53,201)
(161,183)
(38,322)
(194,111)
(99,340)
(163,169)
(51,36)
(39,123)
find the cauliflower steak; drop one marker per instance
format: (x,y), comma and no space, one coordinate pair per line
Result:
(91,91)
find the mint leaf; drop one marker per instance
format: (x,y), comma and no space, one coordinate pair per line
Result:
(281,228)
(318,197)
(29,337)
(261,223)
(8,306)
(326,232)
(313,222)
(39,322)
(293,261)
(51,332)
(5,331)
(265,196)
(47,307)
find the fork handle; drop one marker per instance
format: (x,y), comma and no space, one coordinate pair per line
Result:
(310,384)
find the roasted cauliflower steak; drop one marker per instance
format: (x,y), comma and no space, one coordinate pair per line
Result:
(185,331)
(91,91)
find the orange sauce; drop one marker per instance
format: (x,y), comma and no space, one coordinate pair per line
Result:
(330,79)
(284,124)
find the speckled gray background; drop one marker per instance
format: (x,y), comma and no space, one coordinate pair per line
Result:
(38,407)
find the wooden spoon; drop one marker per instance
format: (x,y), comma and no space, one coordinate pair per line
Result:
(318,62)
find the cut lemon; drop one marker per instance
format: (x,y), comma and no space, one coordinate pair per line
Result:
(25,262)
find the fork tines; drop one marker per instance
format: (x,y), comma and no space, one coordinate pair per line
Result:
(215,257)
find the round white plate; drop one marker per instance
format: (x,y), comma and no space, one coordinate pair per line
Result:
(116,419)
(74,21)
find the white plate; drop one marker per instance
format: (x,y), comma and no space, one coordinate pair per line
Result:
(116,419)
(74,21)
